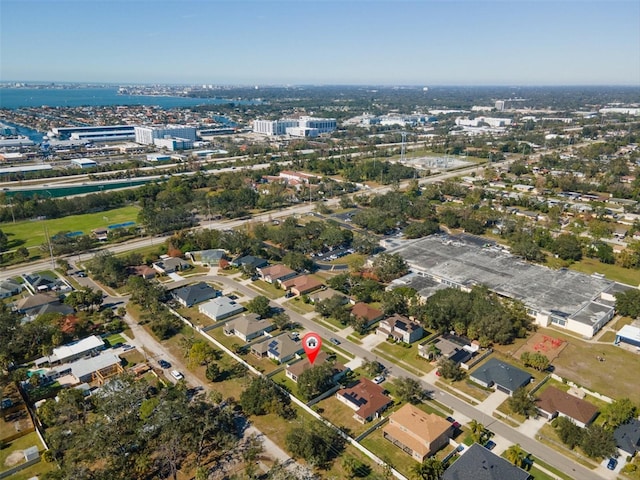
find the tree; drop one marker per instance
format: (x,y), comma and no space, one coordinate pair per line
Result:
(536,360)
(618,412)
(450,370)
(478,431)
(315,380)
(389,266)
(315,442)
(515,454)
(201,353)
(213,372)
(569,433)
(263,396)
(4,241)
(281,320)
(522,403)
(259,306)
(372,367)
(430,469)
(409,390)
(352,466)
(628,302)
(598,441)
(567,247)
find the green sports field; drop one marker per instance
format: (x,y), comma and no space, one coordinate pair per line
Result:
(32,233)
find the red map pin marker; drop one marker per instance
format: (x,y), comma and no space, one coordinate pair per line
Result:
(312,343)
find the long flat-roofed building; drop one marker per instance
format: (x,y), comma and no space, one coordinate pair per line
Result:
(563,298)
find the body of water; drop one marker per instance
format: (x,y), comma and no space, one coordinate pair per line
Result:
(13,98)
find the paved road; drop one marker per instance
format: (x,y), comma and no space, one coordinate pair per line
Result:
(539,450)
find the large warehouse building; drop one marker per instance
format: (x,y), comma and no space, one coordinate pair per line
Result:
(563,298)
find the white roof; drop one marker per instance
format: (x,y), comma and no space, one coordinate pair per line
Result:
(86,366)
(630,332)
(76,348)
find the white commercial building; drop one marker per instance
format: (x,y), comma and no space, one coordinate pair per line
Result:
(147,135)
(302,127)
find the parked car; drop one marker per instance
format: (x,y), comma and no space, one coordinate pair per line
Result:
(613,463)
(164,364)
(490,445)
(379,379)
(335,341)
(177,375)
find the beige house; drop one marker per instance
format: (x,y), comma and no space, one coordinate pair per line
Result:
(417,433)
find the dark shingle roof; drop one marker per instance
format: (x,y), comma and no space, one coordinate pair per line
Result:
(192,294)
(478,463)
(627,436)
(502,374)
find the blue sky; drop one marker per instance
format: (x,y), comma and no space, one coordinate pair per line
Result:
(508,42)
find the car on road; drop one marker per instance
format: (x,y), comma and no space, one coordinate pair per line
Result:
(126,347)
(490,445)
(456,425)
(379,379)
(177,375)
(613,463)
(164,364)
(335,341)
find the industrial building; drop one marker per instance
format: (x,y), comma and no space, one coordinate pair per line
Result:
(179,137)
(564,298)
(95,134)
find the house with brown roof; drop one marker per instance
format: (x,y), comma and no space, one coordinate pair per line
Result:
(366,398)
(275,273)
(554,402)
(143,271)
(400,328)
(280,348)
(325,294)
(294,370)
(417,433)
(301,285)
(367,312)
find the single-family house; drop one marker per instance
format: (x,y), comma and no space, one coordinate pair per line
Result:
(171,265)
(143,271)
(249,261)
(190,295)
(554,402)
(294,370)
(248,326)
(400,328)
(366,398)
(39,283)
(480,463)
(212,256)
(280,348)
(220,308)
(503,376)
(368,313)
(627,437)
(275,273)
(72,351)
(97,368)
(416,432)
(9,288)
(325,294)
(452,347)
(301,285)
(33,303)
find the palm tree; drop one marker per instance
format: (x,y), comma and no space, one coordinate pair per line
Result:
(515,454)
(477,431)
(430,469)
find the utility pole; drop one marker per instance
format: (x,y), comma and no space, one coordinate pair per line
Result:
(46,234)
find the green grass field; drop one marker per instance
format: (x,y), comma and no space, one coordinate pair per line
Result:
(31,234)
(612,272)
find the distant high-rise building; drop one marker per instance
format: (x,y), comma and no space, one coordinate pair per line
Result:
(147,135)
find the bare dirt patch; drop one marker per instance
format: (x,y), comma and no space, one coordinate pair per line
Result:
(14,458)
(549,346)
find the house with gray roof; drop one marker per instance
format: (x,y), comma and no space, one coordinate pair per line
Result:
(627,437)
(248,326)
(479,463)
(503,376)
(280,348)
(170,265)
(220,308)
(249,261)
(190,295)
(33,303)
(9,288)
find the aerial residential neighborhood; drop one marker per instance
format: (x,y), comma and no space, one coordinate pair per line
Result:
(406,247)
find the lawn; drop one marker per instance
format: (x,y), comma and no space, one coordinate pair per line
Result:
(388,452)
(401,354)
(29,440)
(612,272)
(267,289)
(340,415)
(194,316)
(578,362)
(114,339)
(297,305)
(30,234)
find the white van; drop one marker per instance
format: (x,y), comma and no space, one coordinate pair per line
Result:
(177,375)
